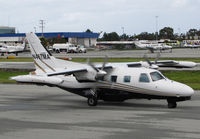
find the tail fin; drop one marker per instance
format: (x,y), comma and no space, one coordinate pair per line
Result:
(24,45)
(43,60)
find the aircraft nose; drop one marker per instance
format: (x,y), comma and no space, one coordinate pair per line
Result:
(189,91)
(185,90)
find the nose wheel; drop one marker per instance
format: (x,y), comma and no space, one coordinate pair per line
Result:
(171,104)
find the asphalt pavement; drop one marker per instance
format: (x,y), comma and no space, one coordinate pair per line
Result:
(176,53)
(39,112)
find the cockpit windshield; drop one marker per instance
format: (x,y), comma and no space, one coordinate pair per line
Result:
(155,76)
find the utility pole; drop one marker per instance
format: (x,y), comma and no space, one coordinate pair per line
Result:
(35,29)
(42,26)
(156,28)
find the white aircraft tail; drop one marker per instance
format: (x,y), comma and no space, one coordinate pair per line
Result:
(24,45)
(43,60)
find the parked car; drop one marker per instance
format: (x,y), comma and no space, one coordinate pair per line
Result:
(82,49)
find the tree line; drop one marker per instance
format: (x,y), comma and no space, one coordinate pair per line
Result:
(164,33)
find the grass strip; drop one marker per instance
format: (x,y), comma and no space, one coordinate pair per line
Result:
(4,76)
(191,78)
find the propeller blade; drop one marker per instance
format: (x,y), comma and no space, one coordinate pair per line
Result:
(147,60)
(92,65)
(105,62)
(157,57)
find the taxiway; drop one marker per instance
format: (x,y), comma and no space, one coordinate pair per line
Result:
(29,111)
(176,53)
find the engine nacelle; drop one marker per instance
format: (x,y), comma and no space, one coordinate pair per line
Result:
(87,76)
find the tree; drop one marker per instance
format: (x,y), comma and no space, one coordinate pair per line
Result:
(167,33)
(88,31)
(124,37)
(145,36)
(113,36)
(192,32)
(44,41)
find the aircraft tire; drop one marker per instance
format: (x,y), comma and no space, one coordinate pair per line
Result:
(92,101)
(57,51)
(172,105)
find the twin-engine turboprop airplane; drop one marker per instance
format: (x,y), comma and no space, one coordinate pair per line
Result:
(104,82)
(12,49)
(153,46)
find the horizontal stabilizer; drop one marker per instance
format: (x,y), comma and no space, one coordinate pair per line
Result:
(37,79)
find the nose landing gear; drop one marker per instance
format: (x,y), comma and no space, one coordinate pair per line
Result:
(171,104)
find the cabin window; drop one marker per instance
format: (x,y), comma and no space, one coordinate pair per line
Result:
(144,78)
(155,76)
(127,79)
(113,78)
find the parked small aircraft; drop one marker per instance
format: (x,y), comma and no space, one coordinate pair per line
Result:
(12,49)
(104,82)
(153,46)
(160,63)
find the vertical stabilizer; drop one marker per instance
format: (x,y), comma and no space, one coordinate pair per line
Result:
(43,60)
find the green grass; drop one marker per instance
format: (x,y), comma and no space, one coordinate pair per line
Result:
(5,75)
(191,78)
(16,60)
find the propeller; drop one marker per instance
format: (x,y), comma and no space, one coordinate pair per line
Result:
(100,72)
(152,64)
(157,57)
(92,65)
(105,62)
(147,60)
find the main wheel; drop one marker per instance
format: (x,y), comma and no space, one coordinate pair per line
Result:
(92,101)
(57,51)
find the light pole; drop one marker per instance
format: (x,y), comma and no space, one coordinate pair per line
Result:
(123,33)
(156,27)
(42,26)
(35,29)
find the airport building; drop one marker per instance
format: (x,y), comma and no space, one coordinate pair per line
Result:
(5,29)
(81,38)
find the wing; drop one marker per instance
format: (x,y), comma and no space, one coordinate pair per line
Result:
(67,72)
(175,64)
(165,62)
(113,65)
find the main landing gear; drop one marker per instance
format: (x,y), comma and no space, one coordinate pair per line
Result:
(92,98)
(92,101)
(171,104)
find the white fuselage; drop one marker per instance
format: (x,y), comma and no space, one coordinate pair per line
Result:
(11,49)
(162,87)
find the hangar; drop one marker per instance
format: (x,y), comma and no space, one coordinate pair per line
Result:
(83,38)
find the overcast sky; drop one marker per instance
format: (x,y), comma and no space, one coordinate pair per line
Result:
(135,16)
